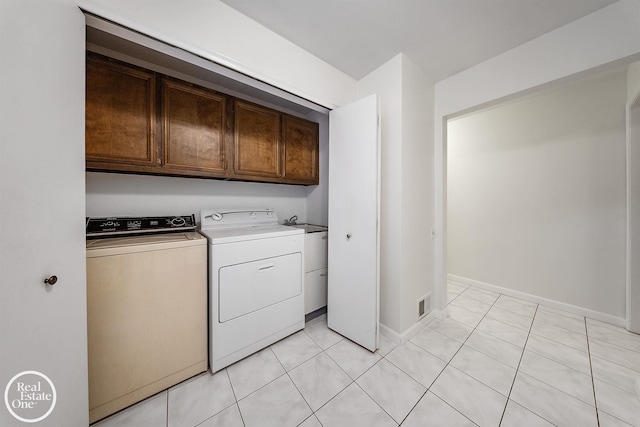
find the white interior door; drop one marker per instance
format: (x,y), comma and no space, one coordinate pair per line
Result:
(43,327)
(353,265)
(633,215)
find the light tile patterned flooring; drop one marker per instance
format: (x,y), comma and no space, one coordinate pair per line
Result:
(495,361)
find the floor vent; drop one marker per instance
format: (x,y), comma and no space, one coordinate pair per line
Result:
(424,305)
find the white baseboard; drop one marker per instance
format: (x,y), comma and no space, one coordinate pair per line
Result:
(400,339)
(581,311)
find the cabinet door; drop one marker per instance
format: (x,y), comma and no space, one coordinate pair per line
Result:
(257,141)
(194,129)
(315,290)
(300,142)
(119,115)
(315,251)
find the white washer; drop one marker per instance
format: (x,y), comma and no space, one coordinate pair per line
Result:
(255,282)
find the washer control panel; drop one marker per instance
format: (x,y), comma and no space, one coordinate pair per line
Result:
(120,226)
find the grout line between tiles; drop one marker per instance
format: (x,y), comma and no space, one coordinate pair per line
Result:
(167,408)
(518,367)
(593,381)
(450,359)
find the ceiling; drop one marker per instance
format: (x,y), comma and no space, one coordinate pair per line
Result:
(443,37)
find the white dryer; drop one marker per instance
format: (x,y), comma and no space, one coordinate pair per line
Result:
(255,282)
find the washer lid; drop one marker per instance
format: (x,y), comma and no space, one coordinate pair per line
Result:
(153,242)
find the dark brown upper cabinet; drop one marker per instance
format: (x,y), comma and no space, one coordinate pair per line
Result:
(300,145)
(140,121)
(194,130)
(120,116)
(256,141)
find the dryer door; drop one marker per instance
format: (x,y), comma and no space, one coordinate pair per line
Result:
(250,286)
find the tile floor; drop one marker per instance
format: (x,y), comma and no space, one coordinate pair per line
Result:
(495,361)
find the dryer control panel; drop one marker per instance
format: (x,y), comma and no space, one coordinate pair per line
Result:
(219,218)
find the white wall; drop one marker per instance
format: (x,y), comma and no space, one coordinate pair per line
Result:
(536,194)
(110,194)
(633,198)
(405,102)
(215,31)
(633,81)
(417,189)
(608,35)
(386,81)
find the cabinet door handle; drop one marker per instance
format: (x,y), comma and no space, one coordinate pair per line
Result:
(323,274)
(266,267)
(325,237)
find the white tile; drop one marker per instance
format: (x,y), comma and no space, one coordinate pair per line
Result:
(319,332)
(520,301)
(200,398)
(518,416)
(485,369)
(562,321)
(385,345)
(441,346)
(552,404)
(561,353)
(456,288)
(432,411)
(481,296)
(621,338)
(278,404)
(510,318)
(417,363)
(503,331)
(607,420)
(517,306)
(451,328)
(352,358)
(564,378)
(395,392)
(496,348)
(560,312)
(254,372)
(295,349)
(151,412)
(230,417)
(319,380)
(451,296)
(471,304)
(485,291)
(604,324)
(464,316)
(312,421)
(478,402)
(561,335)
(353,408)
(619,403)
(613,353)
(615,374)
